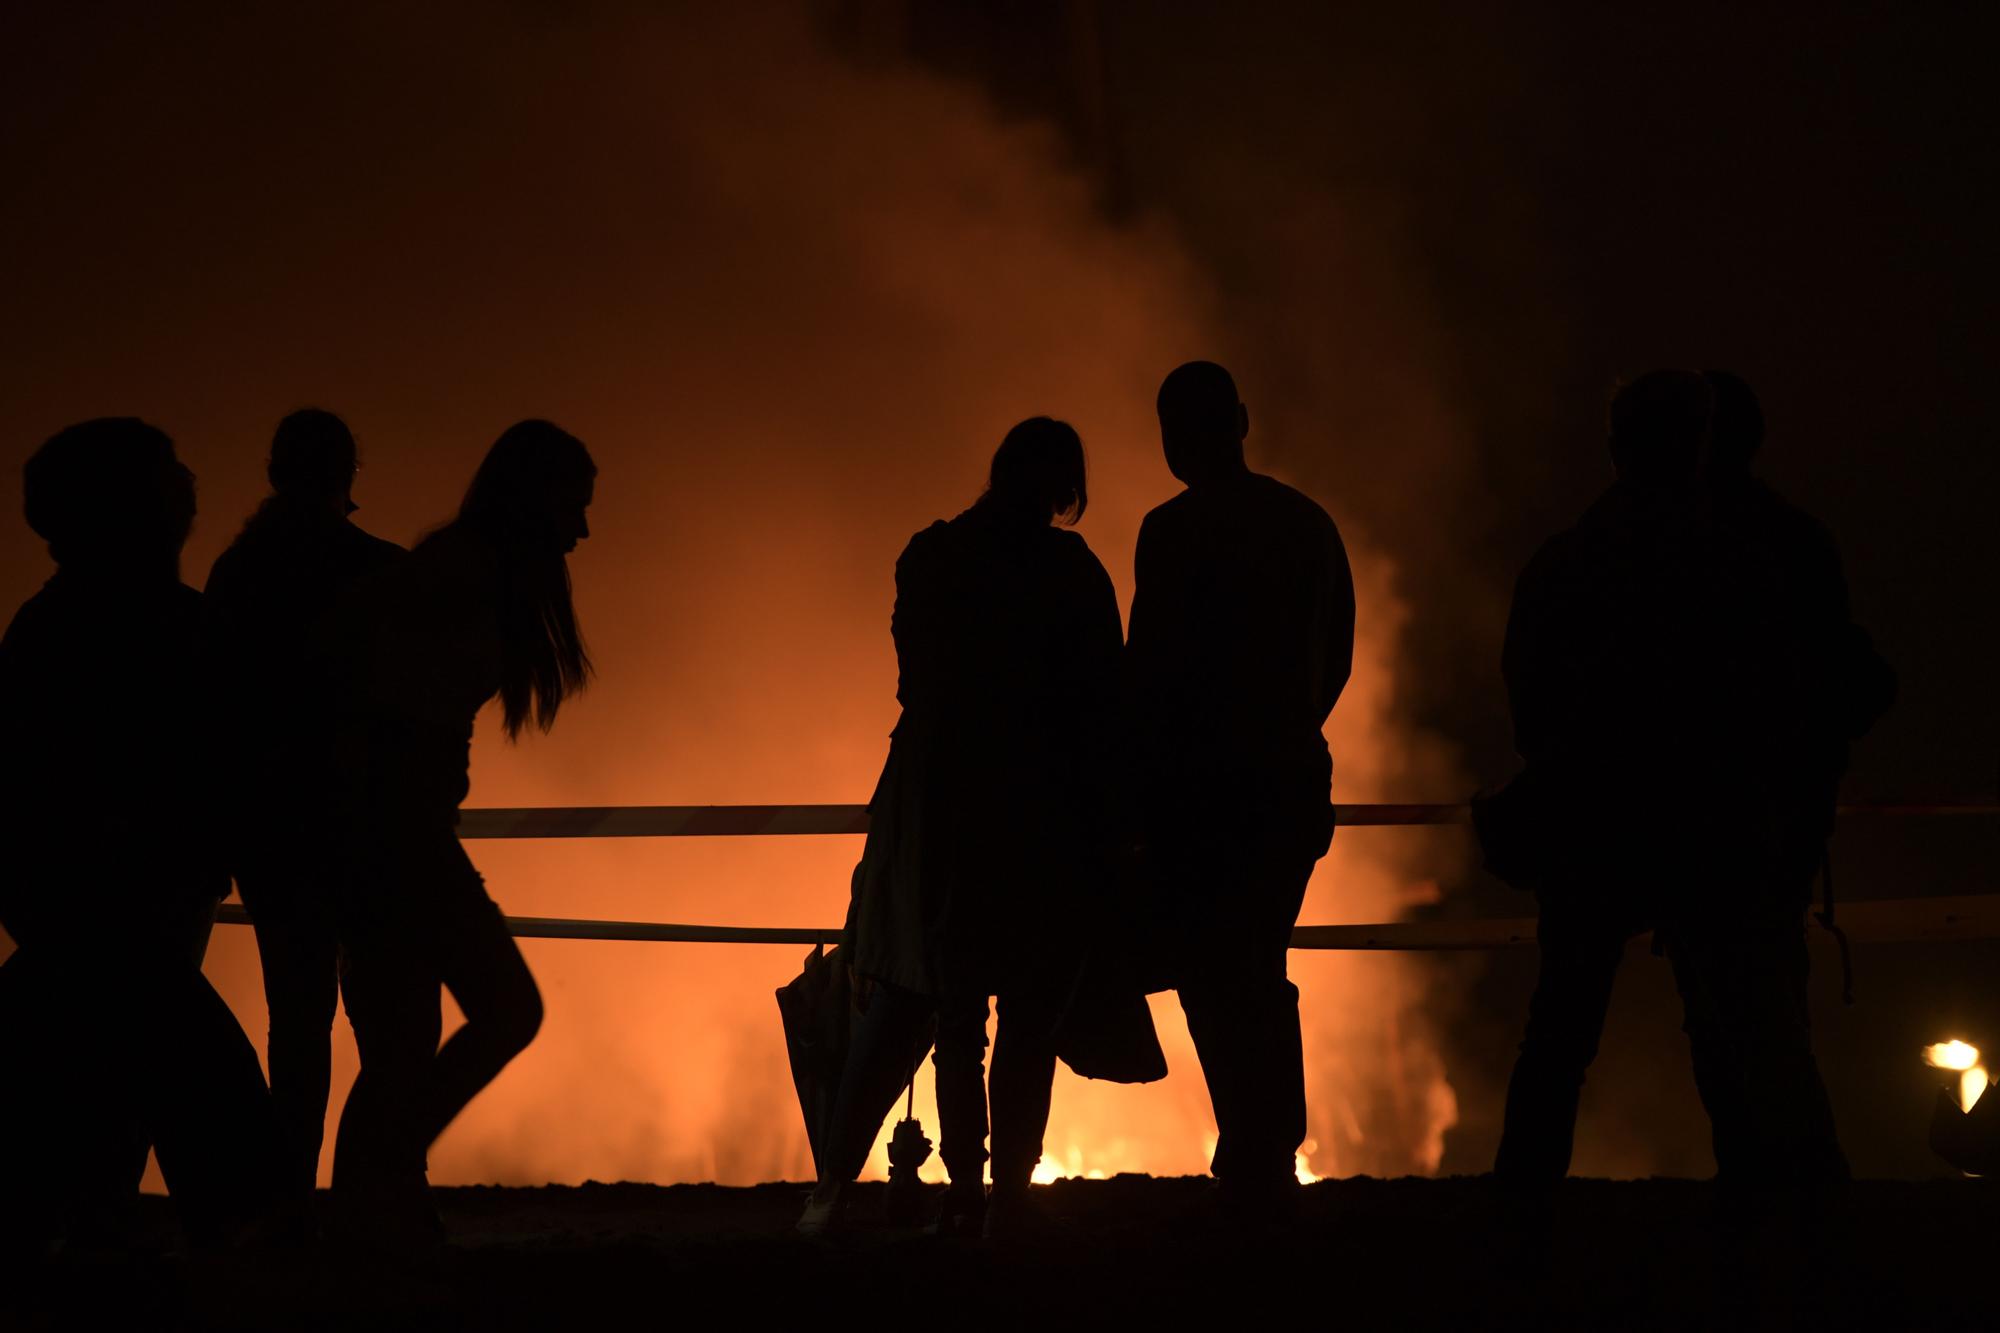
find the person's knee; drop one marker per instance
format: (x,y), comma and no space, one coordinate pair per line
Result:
(515,1023)
(1558,1046)
(527,1016)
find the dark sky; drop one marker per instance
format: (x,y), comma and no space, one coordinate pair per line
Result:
(1435,234)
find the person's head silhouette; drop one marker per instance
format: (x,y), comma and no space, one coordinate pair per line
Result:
(532,490)
(1038,473)
(1738,431)
(528,499)
(313,461)
(1203,423)
(1661,426)
(110,497)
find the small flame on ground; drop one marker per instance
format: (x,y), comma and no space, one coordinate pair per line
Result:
(1067,1167)
(1963,1057)
(1301,1166)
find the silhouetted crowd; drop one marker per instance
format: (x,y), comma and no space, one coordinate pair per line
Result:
(1683,673)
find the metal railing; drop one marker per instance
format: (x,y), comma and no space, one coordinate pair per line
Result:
(1876,921)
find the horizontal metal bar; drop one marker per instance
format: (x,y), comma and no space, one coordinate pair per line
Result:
(710,821)
(1878,921)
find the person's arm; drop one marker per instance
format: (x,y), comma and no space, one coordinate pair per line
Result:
(1336,649)
(1526,663)
(1859,684)
(27,815)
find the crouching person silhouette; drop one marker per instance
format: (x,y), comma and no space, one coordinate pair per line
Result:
(111,819)
(481,607)
(1242,637)
(991,819)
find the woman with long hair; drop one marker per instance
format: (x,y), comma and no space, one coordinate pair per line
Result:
(480,608)
(990,826)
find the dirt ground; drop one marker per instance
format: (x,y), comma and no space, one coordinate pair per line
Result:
(1125,1252)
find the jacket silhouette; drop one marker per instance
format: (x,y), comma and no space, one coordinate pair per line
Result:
(1685,679)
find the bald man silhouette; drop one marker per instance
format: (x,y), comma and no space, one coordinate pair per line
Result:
(1241,639)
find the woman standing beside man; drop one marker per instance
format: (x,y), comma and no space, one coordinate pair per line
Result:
(991,822)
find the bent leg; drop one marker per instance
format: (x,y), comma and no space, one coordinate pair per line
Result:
(390,983)
(483,968)
(203,1099)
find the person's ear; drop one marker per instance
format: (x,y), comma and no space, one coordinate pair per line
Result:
(1242,422)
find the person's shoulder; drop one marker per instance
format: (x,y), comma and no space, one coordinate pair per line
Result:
(1170,512)
(1069,547)
(1281,497)
(1577,546)
(222,574)
(1778,515)
(368,549)
(31,619)
(930,537)
(1292,507)
(925,545)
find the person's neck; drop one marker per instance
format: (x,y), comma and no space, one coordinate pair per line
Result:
(1223,472)
(121,575)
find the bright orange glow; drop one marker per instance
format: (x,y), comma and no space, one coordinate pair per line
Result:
(1964,1057)
(1953,1054)
(792,305)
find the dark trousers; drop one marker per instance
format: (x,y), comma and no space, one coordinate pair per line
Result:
(1024,1072)
(1742,984)
(1581,948)
(1743,989)
(422,920)
(300,955)
(1237,915)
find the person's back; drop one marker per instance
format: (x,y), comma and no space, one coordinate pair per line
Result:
(1242,638)
(1000,629)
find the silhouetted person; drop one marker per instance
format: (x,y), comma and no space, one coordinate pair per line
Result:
(1684,678)
(1242,638)
(991,819)
(480,608)
(270,592)
(110,802)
